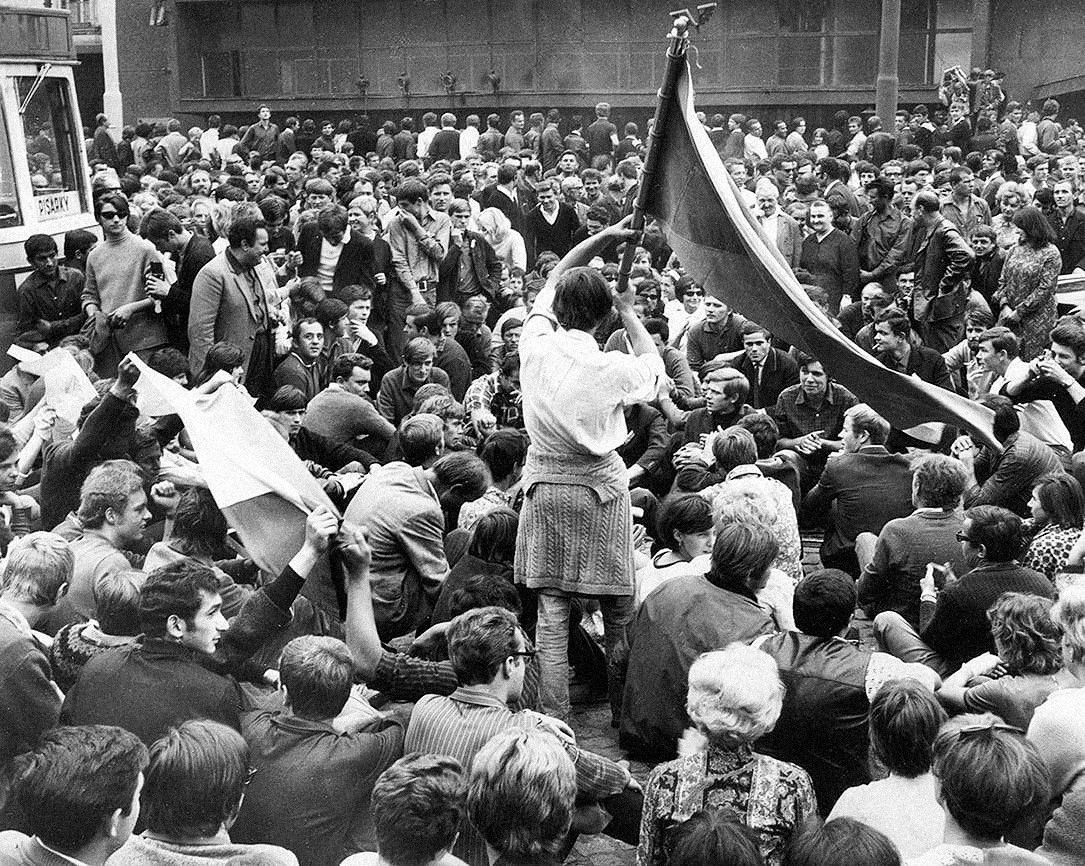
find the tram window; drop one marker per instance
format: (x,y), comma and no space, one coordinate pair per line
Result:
(51,139)
(9,201)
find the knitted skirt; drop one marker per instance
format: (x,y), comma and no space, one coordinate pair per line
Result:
(576,526)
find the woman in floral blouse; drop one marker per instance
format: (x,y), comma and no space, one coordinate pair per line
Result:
(1026,290)
(735,697)
(1058,509)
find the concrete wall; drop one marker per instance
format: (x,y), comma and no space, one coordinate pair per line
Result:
(1040,46)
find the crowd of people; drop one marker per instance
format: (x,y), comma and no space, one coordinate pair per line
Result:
(548,474)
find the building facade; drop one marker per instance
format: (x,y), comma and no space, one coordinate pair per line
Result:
(318,59)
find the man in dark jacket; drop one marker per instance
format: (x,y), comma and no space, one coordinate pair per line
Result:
(768,370)
(182,668)
(683,618)
(1068,221)
(329,238)
(829,683)
(471,266)
(311,790)
(942,262)
(865,485)
(953,623)
(191,252)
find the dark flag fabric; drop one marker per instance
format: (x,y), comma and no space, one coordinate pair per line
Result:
(722,246)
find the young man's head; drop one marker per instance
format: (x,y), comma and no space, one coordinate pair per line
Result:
(938,481)
(824,603)
(316,673)
(41,253)
(78,790)
(521,794)
(813,379)
(1068,347)
(195,780)
(725,390)
(417,806)
(892,332)
(112,501)
(487,647)
(995,348)
(353,373)
(37,572)
(904,720)
(756,342)
(863,426)
(180,602)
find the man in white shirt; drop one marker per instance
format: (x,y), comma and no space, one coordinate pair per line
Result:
(210,138)
(469,136)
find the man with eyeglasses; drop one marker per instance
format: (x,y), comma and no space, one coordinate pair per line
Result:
(490,653)
(953,624)
(115,291)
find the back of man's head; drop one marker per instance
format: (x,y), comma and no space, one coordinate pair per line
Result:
(38,567)
(417,807)
(824,603)
(420,439)
(78,785)
(317,673)
(195,780)
(479,642)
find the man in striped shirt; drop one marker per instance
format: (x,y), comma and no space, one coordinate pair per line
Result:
(489,653)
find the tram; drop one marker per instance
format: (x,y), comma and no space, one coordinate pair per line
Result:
(44,177)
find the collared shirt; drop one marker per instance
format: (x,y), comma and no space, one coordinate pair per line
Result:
(462,723)
(877,236)
(574,393)
(418,258)
(62,856)
(796,416)
(56,301)
(256,288)
(481,395)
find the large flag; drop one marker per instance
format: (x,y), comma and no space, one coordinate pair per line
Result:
(722,246)
(261,485)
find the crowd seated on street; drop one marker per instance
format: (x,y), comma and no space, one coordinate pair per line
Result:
(545,484)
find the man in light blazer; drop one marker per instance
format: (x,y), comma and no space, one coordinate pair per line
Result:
(230,302)
(781,229)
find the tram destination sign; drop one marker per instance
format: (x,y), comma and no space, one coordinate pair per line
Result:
(55,205)
(35,33)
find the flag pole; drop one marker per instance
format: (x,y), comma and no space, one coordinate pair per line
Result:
(676,56)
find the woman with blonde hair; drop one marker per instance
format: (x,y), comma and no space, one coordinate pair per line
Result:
(508,243)
(735,697)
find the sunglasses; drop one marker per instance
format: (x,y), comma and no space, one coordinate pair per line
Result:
(527,654)
(962,537)
(969,730)
(111,214)
(694,294)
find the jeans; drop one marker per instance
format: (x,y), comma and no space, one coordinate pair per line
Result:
(552,642)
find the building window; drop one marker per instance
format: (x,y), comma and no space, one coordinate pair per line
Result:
(830,43)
